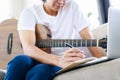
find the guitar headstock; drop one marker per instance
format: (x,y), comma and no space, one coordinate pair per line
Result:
(103,43)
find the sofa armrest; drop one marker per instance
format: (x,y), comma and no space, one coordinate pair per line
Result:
(2,74)
(104,71)
(100,32)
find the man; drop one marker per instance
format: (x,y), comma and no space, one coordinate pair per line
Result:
(65,21)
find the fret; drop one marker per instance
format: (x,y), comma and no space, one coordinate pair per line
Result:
(50,43)
(45,43)
(94,43)
(88,42)
(83,43)
(72,42)
(62,43)
(97,43)
(76,43)
(57,44)
(54,43)
(79,43)
(68,41)
(65,42)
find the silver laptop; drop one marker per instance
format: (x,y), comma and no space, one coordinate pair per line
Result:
(113,46)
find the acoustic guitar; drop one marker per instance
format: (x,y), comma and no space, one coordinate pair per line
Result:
(44,41)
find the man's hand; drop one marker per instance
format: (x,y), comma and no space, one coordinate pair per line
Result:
(71,55)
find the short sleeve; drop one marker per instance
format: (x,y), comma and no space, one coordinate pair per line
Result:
(27,20)
(80,20)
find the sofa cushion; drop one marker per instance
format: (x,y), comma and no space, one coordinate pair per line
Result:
(104,71)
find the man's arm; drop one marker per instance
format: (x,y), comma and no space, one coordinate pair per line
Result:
(86,34)
(28,39)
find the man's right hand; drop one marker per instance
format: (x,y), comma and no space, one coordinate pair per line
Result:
(71,55)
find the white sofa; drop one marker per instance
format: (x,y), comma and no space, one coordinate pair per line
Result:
(103,71)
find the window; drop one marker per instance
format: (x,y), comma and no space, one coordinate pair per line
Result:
(90,9)
(115,3)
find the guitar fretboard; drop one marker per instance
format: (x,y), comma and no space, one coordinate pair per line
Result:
(62,43)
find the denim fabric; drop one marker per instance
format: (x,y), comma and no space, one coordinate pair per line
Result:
(23,67)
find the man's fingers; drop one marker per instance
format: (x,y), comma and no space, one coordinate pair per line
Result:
(75,55)
(72,59)
(76,50)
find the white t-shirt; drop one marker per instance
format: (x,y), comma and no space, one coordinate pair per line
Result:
(66,25)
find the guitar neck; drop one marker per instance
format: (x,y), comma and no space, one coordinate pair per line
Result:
(61,43)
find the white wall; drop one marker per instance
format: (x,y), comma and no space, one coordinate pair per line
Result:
(16,6)
(31,2)
(13,8)
(4,9)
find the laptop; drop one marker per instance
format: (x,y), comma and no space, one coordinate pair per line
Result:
(113,44)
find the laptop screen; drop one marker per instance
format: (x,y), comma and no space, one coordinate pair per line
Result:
(113,46)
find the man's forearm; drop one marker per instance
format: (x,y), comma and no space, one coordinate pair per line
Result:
(41,56)
(96,52)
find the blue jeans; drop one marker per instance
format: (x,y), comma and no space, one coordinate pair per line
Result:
(23,67)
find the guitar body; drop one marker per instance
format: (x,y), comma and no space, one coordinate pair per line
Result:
(7,27)
(42,32)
